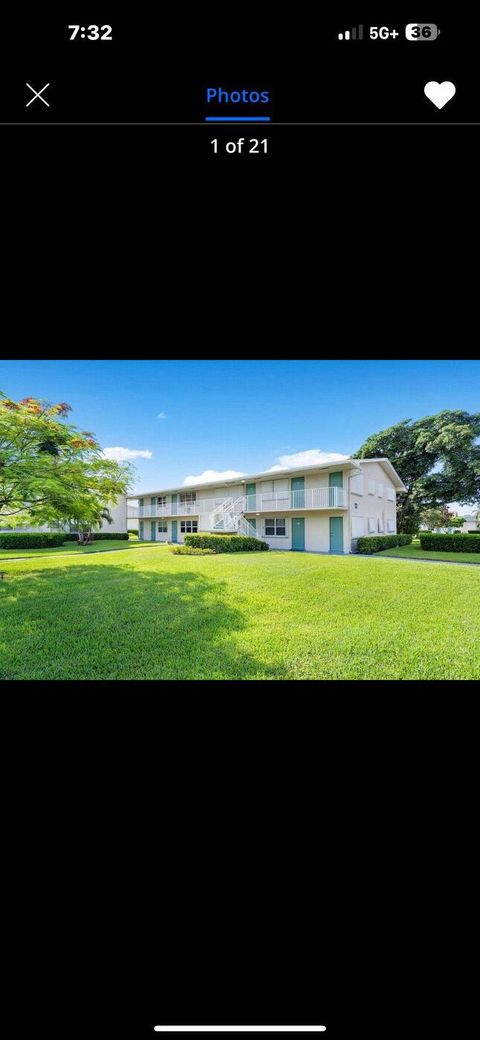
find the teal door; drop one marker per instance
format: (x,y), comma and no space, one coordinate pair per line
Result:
(298,534)
(140,530)
(336,534)
(251,493)
(174,530)
(174,504)
(152,532)
(335,480)
(253,523)
(298,493)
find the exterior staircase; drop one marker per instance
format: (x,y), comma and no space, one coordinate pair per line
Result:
(228,518)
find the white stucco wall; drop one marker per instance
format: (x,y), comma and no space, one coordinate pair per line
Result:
(118,512)
(372,506)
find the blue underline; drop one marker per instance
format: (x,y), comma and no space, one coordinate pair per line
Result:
(237,119)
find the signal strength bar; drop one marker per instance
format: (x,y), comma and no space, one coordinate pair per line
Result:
(352,34)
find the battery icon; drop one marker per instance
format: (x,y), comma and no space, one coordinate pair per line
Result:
(416,31)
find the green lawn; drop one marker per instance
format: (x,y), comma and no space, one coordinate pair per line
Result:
(152,615)
(70,547)
(414,552)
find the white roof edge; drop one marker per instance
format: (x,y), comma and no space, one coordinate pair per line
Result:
(390,468)
(269,474)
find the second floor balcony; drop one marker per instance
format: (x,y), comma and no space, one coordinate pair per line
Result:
(307,498)
(270,502)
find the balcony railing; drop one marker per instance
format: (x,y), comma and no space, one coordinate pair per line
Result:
(309,498)
(177,509)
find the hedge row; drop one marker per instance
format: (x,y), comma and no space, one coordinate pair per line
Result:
(378,542)
(477,532)
(29,540)
(450,542)
(97,536)
(49,539)
(190,550)
(225,543)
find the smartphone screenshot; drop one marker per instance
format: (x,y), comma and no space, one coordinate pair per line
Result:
(220,82)
(236,594)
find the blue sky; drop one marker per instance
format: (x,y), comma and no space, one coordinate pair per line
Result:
(245,416)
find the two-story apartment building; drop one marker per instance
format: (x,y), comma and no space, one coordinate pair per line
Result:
(322,508)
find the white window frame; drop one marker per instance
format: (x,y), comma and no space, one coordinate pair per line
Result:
(390,494)
(358,521)
(162,527)
(379,490)
(359,487)
(381,525)
(187,526)
(187,498)
(372,525)
(161,501)
(391,526)
(371,487)
(281,489)
(275,521)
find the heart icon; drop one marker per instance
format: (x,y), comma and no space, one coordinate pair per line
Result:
(440,93)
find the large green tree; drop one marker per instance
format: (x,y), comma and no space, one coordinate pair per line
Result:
(50,471)
(438,459)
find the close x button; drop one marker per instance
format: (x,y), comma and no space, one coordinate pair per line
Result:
(37,95)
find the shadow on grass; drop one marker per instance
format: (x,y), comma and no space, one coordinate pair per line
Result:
(108,622)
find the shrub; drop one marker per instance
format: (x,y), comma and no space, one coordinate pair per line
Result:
(29,540)
(477,532)
(97,536)
(450,542)
(377,542)
(189,550)
(225,543)
(104,536)
(133,530)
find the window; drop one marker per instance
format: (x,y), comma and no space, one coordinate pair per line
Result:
(380,490)
(391,525)
(188,498)
(189,526)
(276,528)
(356,485)
(281,489)
(371,487)
(380,525)
(162,500)
(162,527)
(372,525)
(391,494)
(267,487)
(357,526)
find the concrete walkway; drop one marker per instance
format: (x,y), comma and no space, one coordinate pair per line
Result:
(419,559)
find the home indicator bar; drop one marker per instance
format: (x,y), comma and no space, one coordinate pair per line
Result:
(240,1029)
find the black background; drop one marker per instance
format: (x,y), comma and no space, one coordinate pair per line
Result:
(238,854)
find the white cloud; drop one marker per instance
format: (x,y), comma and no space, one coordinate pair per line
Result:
(122,454)
(459,510)
(211,475)
(162,415)
(311,457)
